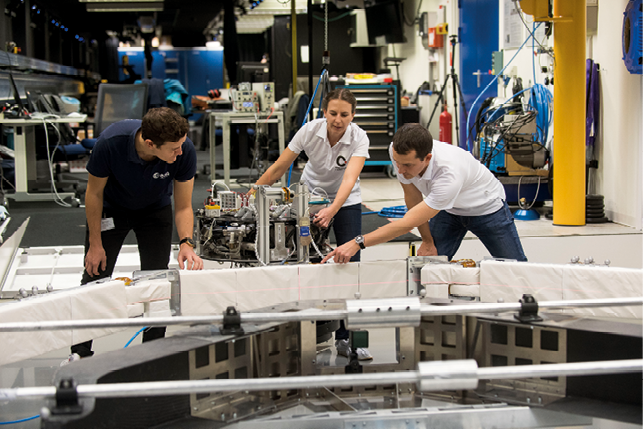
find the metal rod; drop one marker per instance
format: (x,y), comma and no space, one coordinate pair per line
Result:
(560,369)
(185,387)
(443,310)
(258,318)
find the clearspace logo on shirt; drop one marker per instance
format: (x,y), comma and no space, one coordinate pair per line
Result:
(161,175)
(341,162)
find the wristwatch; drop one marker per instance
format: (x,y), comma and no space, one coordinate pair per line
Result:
(360,240)
(189,242)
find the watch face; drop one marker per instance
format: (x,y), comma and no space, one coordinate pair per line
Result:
(189,242)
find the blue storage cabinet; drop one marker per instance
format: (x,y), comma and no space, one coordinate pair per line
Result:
(198,69)
(377,114)
(136,58)
(204,69)
(478,39)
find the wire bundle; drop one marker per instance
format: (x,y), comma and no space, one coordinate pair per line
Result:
(541,100)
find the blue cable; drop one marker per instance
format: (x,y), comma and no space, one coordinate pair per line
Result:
(135,335)
(491,83)
(307,112)
(394,211)
(20,421)
(540,100)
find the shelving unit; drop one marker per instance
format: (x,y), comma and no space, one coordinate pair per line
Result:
(377,114)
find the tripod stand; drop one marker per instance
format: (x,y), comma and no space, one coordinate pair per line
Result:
(457,90)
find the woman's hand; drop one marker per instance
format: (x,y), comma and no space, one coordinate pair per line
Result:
(323,217)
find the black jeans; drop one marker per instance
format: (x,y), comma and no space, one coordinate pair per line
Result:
(153,229)
(347,225)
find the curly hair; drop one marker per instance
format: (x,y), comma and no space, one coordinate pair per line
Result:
(340,94)
(162,125)
(411,137)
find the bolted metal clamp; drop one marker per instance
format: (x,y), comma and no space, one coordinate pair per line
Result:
(373,313)
(67,398)
(447,375)
(529,310)
(231,322)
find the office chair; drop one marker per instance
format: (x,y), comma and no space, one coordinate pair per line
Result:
(117,102)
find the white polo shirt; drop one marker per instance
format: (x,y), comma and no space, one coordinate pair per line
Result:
(456,182)
(326,165)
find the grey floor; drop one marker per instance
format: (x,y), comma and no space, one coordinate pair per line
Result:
(543,242)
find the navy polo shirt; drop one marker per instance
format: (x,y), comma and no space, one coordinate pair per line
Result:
(134,184)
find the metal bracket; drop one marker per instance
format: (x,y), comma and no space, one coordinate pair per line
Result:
(529,310)
(67,398)
(231,322)
(375,313)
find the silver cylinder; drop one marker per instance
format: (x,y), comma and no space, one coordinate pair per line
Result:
(447,375)
(379,313)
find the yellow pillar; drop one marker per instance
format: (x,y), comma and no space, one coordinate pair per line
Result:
(569,111)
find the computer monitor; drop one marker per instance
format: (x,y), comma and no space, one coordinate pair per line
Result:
(253,72)
(384,18)
(16,96)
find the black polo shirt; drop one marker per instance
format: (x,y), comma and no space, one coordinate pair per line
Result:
(134,184)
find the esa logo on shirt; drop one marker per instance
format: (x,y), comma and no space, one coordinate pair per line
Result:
(340,163)
(158,175)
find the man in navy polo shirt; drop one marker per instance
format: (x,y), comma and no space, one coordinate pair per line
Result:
(134,169)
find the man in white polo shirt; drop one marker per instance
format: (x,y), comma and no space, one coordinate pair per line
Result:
(448,192)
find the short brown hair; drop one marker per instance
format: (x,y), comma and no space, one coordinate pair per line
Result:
(162,125)
(413,137)
(340,94)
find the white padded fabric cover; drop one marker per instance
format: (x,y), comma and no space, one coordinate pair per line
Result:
(148,290)
(510,280)
(382,279)
(99,301)
(135,310)
(551,282)
(208,291)
(595,282)
(158,309)
(443,280)
(264,286)
(328,281)
(22,345)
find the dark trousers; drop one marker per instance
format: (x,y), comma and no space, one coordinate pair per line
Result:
(346,226)
(497,231)
(153,230)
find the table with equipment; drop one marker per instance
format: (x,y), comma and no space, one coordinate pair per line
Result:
(25,155)
(233,118)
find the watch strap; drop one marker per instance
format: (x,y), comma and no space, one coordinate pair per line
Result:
(360,241)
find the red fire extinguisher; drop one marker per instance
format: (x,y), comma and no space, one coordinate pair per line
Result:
(445,126)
